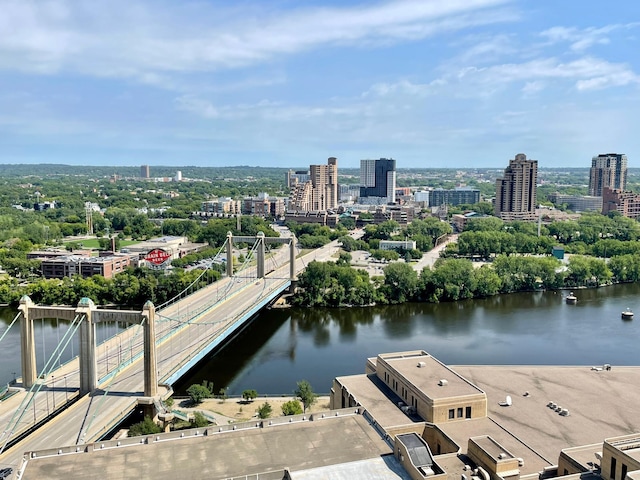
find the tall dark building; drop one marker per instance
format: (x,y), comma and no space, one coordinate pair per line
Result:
(144,171)
(607,170)
(378,179)
(516,191)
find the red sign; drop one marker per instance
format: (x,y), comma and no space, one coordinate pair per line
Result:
(157,256)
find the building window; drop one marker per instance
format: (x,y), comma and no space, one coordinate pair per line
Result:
(459,412)
(467,413)
(612,472)
(624,472)
(452,414)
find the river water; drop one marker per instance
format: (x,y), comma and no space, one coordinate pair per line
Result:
(281,347)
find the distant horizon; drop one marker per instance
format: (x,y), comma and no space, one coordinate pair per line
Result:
(300,167)
(211,83)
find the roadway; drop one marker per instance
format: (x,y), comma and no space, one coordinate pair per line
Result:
(195,320)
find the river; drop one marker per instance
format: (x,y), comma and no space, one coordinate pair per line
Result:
(281,347)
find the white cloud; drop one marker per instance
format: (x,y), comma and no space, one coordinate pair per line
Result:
(582,39)
(144,40)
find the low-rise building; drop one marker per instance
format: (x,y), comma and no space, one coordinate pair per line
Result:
(397,244)
(71,265)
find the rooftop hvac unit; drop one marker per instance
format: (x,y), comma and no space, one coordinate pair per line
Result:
(421,364)
(443,382)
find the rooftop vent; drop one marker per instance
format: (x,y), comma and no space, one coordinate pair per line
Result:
(421,364)
(443,382)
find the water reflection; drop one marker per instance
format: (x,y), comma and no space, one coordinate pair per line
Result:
(283,346)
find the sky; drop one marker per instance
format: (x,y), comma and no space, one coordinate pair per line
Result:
(284,83)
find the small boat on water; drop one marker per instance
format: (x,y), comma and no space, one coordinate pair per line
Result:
(627,314)
(571,299)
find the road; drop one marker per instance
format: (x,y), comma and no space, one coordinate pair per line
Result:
(208,311)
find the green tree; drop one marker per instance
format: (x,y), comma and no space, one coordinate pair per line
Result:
(249,395)
(264,411)
(292,407)
(197,393)
(145,427)
(305,393)
(199,420)
(400,283)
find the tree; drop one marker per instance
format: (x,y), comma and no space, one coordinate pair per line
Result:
(264,411)
(305,393)
(145,427)
(249,395)
(292,407)
(222,394)
(197,393)
(199,420)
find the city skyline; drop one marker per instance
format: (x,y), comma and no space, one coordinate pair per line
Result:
(431,84)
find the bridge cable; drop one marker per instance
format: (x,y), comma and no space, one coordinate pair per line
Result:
(83,431)
(11,325)
(36,387)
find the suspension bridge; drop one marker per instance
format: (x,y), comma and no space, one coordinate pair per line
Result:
(82,400)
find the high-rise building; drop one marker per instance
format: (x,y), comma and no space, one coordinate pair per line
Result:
(457,196)
(378,179)
(320,192)
(144,171)
(516,191)
(607,170)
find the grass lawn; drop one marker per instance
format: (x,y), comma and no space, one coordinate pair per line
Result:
(93,243)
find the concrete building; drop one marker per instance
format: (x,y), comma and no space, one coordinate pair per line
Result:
(378,181)
(293,178)
(409,417)
(144,171)
(223,205)
(627,203)
(607,170)
(578,203)
(401,214)
(70,265)
(516,190)
(320,192)
(397,244)
(457,196)
(264,206)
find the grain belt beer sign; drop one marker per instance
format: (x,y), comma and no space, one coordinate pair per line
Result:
(158,256)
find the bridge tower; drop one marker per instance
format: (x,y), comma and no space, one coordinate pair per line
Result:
(261,240)
(89,315)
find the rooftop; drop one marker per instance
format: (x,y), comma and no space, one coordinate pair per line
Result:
(426,373)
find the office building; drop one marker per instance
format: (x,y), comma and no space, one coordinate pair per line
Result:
(457,196)
(378,181)
(144,171)
(577,203)
(516,190)
(320,192)
(607,170)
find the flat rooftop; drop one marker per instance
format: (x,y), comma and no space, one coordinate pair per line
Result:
(379,400)
(425,372)
(298,447)
(601,404)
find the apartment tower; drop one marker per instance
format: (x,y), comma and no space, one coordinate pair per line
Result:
(516,191)
(607,170)
(320,192)
(378,179)
(144,171)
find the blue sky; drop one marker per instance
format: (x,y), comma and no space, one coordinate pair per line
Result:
(447,83)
